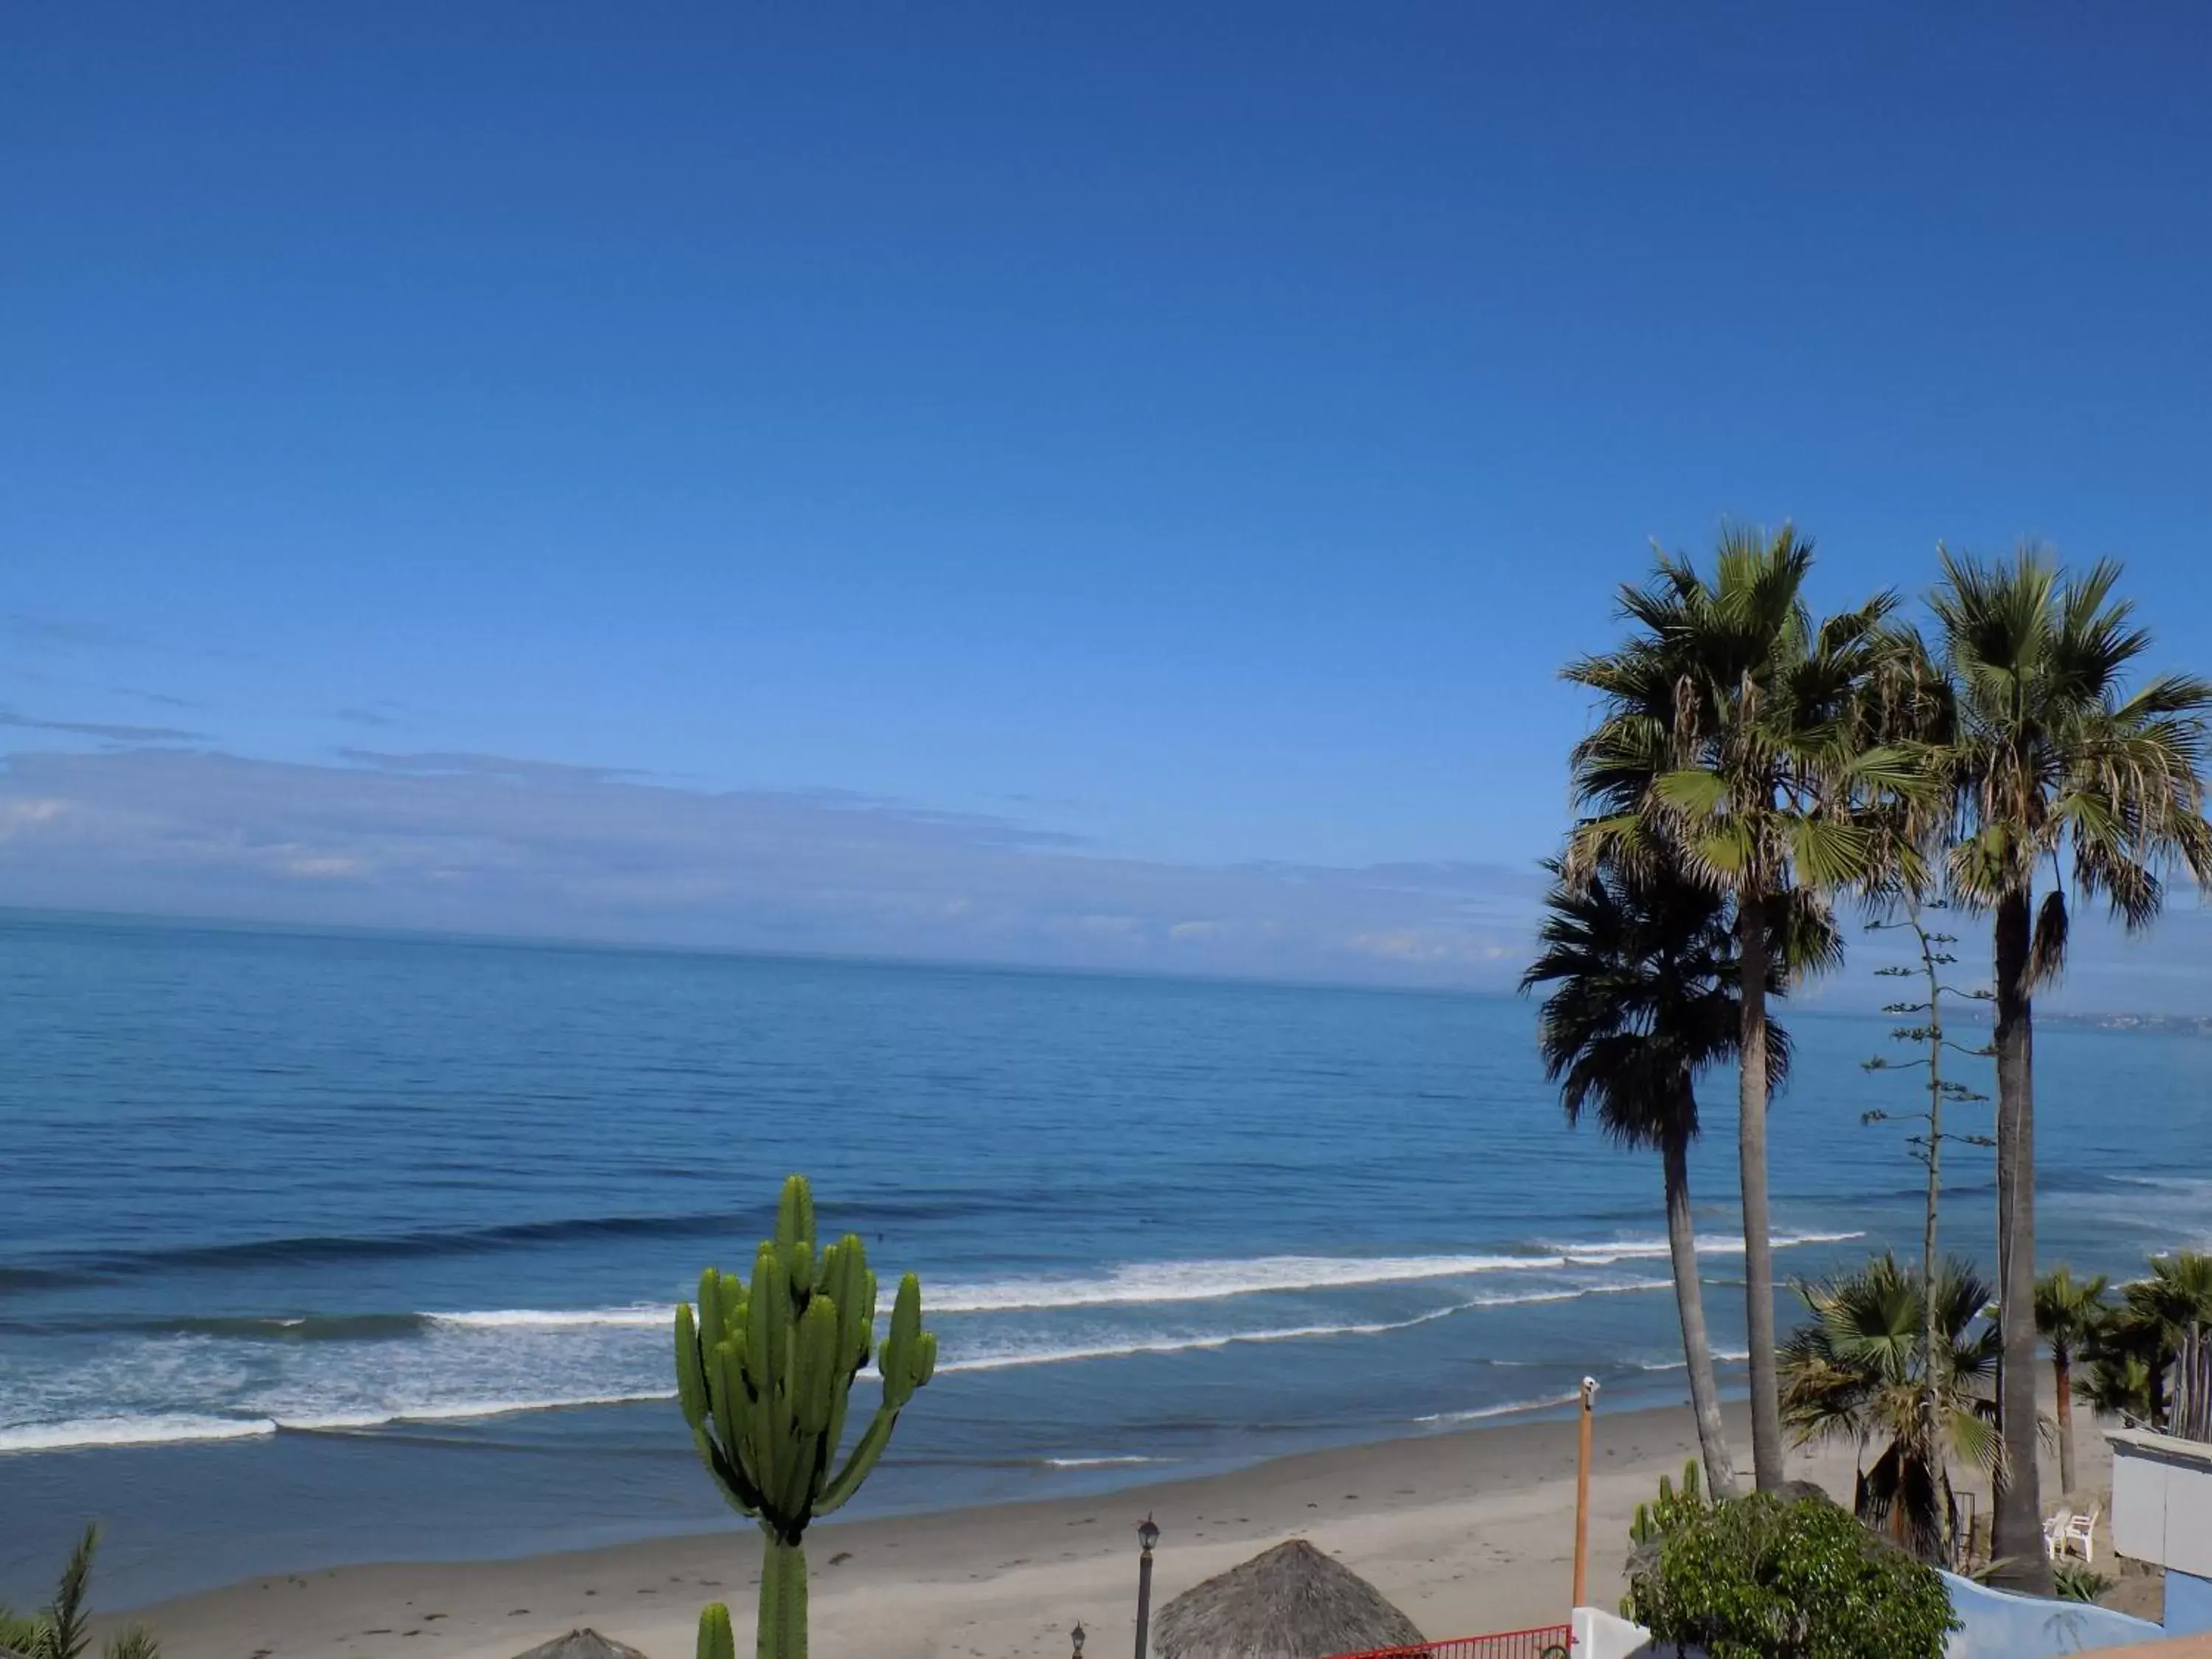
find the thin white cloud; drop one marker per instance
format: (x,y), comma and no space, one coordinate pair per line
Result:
(482,843)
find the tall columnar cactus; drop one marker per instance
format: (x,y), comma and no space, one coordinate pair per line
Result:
(765,1373)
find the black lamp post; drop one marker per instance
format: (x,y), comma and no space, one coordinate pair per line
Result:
(1075,1638)
(1147,1535)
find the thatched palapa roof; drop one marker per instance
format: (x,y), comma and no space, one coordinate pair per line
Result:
(1292,1602)
(581,1644)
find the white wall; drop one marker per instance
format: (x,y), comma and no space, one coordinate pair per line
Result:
(2162,1500)
(1599,1635)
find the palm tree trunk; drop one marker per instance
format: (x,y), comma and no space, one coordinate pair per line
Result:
(1751,1157)
(1690,1302)
(2062,1363)
(2016,1529)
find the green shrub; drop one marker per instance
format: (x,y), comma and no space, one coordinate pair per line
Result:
(1759,1577)
(2077,1580)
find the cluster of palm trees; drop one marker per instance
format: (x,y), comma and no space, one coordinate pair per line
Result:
(1751,765)
(2132,1342)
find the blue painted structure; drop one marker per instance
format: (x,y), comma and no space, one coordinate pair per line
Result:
(2188,1603)
(2001,1625)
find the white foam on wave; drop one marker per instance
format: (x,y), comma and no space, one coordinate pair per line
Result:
(1145,1284)
(84,1433)
(1644,1250)
(1097,1463)
(636,1315)
(461,1410)
(177,1428)
(1510,1408)
(1721,1356)
(1010,1359)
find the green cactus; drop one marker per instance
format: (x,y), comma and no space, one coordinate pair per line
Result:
(716,1640)
(764,1372)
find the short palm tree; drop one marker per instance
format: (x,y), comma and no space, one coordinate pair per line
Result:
(2055,765)
(1735,739)
(1855,1372)
(1643,1001)
(60,1630)
(2068,1312)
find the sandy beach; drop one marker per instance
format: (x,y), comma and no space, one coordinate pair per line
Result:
(1468,1532)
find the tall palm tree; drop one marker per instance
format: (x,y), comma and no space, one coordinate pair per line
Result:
(1736,739)
(1855,1372)
(2067,1313)
(1644,999)
(2057,770)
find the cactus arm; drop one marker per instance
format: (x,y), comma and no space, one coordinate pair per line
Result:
(847,1480)
(794,1212)
(716,1639)
(738,1492)
(691,1374)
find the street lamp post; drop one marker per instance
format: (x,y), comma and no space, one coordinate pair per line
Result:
(1582,1491)
(1075,1638)
(1147,1535)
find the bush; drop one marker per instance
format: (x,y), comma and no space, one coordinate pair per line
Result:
(2077,1580)
(1762,1578)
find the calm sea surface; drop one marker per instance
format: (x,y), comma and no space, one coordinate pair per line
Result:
(319,1248)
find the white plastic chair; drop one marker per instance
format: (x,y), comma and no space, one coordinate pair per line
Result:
(2054,1534)
(2081,1533)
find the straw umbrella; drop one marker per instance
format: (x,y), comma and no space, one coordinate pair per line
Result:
(581,1644)
(1292,1602)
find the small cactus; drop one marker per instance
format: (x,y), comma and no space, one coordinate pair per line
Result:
(716,1639)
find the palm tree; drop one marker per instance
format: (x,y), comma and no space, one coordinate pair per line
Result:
(1854,1371)
(1734,739)
(60,1629)
(2067,1313)
(2054,767)
(2135,1346)
(1644,1000)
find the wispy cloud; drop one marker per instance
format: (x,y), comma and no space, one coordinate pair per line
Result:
(491,843)
(159,699)
(113,733)
(71,633)
(455,764)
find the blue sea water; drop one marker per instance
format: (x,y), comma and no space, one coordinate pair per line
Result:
(324,1248)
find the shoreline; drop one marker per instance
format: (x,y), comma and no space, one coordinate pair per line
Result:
(1469,1530)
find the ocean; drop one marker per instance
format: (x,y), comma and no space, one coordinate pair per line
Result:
(320,1248)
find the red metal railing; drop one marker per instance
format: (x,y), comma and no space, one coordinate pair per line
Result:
(1544,1642)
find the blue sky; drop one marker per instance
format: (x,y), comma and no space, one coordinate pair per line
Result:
(1171,443)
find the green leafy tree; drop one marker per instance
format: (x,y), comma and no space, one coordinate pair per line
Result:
(1736,739)
(1855,1372)
(2068,1312)
(62,1629)
(2055,767)
(1763,1577)
(1643,1001)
